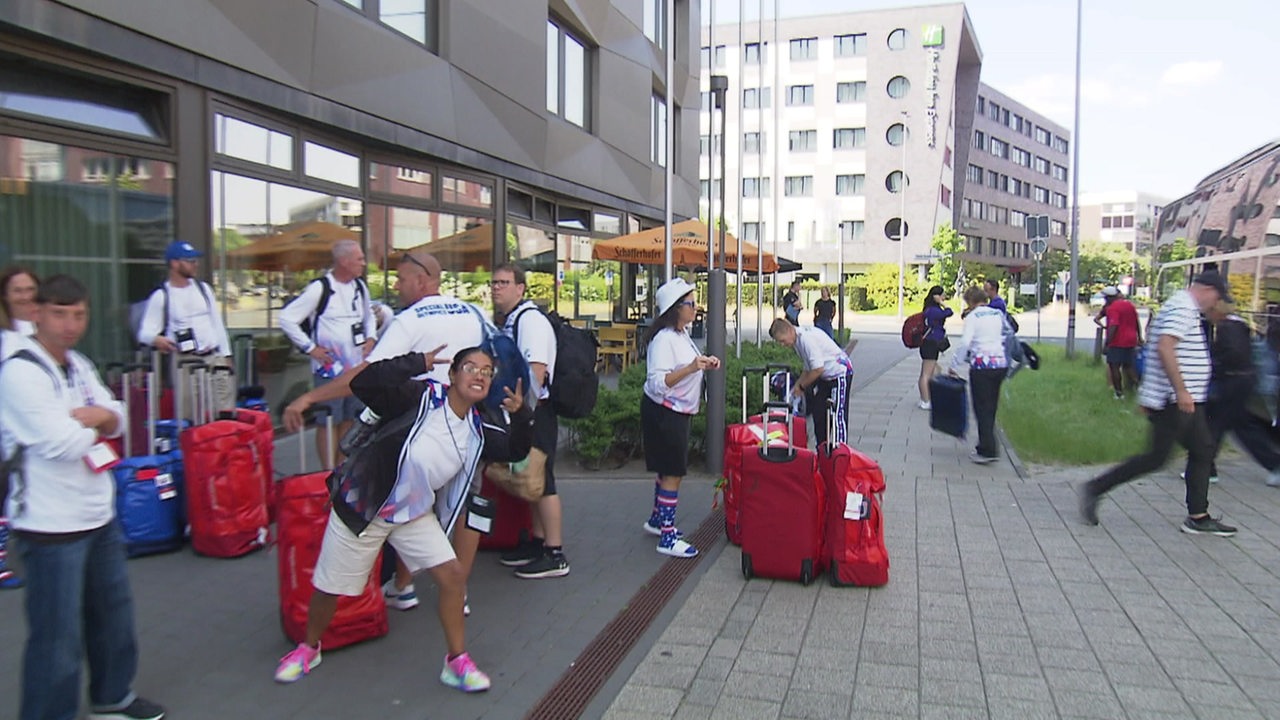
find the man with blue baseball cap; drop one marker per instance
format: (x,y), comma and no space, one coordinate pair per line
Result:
(182,320)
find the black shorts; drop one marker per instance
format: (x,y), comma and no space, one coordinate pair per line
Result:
(930,349)
(666,439)
(546,434)
(1121,356)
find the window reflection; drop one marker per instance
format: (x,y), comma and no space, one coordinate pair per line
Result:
(236,138)
(33,88)
(107,227)
(575,79)
(457,191)
(399,180)
(325,163)
(462,244)
(406,16)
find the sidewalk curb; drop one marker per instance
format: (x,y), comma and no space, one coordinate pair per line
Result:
(1018,468)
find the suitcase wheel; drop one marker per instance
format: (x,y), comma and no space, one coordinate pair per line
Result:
(806,572)
(746,566)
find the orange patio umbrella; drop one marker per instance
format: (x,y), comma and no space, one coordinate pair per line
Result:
(296,246)
(688,248)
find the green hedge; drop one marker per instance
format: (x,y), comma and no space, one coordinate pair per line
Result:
(611,436)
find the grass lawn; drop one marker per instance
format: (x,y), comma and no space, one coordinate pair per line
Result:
(1065,414)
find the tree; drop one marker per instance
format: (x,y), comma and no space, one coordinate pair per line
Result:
(1103,264)
(881,283)
(947,246)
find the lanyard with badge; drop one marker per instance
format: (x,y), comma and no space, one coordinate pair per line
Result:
(101,456)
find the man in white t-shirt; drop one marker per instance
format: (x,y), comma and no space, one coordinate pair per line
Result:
(827,376)
(181,319)
(429,322)
(542,556)
(1172,394)
(341,332)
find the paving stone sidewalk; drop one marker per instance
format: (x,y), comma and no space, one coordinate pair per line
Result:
(1000,603)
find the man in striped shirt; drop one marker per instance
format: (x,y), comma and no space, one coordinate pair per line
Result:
(1173,393)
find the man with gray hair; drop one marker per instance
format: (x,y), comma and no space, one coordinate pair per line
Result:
(332,321)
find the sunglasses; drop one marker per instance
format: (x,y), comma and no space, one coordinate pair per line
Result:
(415,261)
(486,371)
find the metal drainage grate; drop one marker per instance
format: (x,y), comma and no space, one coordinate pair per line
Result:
(571,694)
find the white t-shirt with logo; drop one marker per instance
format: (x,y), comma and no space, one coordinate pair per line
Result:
(536,339)
(348,305)
(817,350)
(433,321)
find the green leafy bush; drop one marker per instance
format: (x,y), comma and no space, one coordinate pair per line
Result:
(611,435)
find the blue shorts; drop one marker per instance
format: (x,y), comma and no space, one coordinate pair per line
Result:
(342,409)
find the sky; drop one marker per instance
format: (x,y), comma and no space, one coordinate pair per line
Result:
(1170,91)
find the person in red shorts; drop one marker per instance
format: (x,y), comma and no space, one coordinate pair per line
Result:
(1124,337)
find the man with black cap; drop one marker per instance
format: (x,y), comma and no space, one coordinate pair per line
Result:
(1173,391)
(182,319)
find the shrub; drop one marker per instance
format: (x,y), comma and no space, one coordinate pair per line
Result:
(610,435)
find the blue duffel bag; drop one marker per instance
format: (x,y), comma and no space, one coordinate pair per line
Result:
(149,502)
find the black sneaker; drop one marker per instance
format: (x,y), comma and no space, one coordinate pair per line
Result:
(139,709)
(526,552)
(1206,526)
(548,566)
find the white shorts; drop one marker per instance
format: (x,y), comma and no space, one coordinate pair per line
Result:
(346,559)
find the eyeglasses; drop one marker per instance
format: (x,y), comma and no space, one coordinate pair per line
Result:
(501,283)
(473,369)
(688,303)
(415,261)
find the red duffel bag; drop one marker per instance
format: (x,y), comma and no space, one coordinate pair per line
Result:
(226,493)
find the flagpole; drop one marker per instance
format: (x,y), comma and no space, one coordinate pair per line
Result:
(669,150)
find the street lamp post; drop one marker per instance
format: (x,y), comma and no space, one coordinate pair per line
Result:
(1073,282)
(717,299)
(902,221)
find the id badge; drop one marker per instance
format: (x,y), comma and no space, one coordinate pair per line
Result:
(480,512)
(101,457)
(186,340)
(357,333)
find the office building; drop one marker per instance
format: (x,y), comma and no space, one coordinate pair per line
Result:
(486,131)
(1126,217)
(824,114)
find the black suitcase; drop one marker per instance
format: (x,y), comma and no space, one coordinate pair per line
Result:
(950,399)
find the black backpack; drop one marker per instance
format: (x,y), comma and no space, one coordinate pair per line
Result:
(308,325)
(575,384)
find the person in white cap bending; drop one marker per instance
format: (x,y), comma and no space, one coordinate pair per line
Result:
(672,392)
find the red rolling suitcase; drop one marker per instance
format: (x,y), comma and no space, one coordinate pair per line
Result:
(854,542)
(748,437)
(782,514)
(264,439)
(141,391)
(301,518)
(512,520)
(226,493)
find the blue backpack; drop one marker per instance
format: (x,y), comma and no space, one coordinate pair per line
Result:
(510,362)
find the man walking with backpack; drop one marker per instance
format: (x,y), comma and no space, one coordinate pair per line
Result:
(332,322)
(182,320)
(542,556)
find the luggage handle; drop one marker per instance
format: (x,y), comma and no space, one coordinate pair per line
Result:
(317,412)
(189,371)
(763,398)
(765,449)
(215,371)
(126,370)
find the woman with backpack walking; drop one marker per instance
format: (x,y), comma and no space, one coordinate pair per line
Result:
(982,349)
(934,342)
(672,393)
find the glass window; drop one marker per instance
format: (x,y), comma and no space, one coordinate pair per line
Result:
(456,191)
(851,230)
(847,185)
(30,88)
(325,163)
(850,138)
(896,229)
(658,131)
(107,227)
(896,134)
(893,182)
(568,72)
(607,223)
(804,48)
(799,95)
(851,92)
(898,87)
(756,97)
(358,4)
(405,16)
(655,22)
(243,140)
(400,180)
(802,140)
(898,39)
(753,143)
(755,53)
(755,187)
(945,197)
(851,45)
(974,174)
(799,186)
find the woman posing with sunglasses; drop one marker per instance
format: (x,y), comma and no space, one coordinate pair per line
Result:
(672,393)
(409,489)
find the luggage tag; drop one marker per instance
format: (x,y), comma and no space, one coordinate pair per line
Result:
(357,333)
(855,506)
(480,513)
(165,489)
(186,340)
(101,457)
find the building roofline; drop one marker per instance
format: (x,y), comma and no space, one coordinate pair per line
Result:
(873,11)
(1241,162)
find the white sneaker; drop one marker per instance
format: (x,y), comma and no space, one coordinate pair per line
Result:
(1213,479)
(924,405)
(1273,480)
(399,598)
(466,606)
